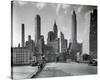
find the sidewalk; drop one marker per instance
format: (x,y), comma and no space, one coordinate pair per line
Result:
(24,72)
(51,71)
(66,69)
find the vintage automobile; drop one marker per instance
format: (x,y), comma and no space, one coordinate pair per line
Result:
(93,62)
(34,63)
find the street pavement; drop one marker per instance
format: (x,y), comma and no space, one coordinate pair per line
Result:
(66,69)
(24,72)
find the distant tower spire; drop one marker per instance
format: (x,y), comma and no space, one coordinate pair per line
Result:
(55,29)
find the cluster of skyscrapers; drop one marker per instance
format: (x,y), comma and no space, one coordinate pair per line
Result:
(56,49)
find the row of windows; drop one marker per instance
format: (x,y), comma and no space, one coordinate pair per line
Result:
(21,60)
(21,55)
(21,51)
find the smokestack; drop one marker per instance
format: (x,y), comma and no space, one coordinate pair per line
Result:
(12,23)
(23,35)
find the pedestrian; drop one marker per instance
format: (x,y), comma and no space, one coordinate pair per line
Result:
(38,67)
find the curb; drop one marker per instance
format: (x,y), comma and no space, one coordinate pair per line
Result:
(37,73)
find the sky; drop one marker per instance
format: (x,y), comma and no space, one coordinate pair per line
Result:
(24,12)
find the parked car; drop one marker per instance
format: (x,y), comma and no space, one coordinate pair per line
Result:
(34,63)
(93,62)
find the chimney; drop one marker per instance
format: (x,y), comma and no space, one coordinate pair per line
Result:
(23,35)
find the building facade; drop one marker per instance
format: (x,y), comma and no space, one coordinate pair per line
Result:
(39,39)
(63,43)
(21,56)
(93,34)
(75,48)
(53,39)
(30,45)
(58,46)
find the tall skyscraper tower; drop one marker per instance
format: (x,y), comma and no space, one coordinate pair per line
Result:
(37,28)
(23,36)
(55,29)
(75,46)
(93,34)
(74,28)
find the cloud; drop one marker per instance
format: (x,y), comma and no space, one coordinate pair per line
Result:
(20,3)
(85,9)
(53,5)
(65,12)
(65,6)
(40,5)
(80,9)
(58,8)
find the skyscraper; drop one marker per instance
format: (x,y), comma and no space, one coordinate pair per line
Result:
(30,44)
(93,34)
(39,39)
(74,28)
(37,28)
(53,40)
(85,46)
(74,45)
(63,43)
